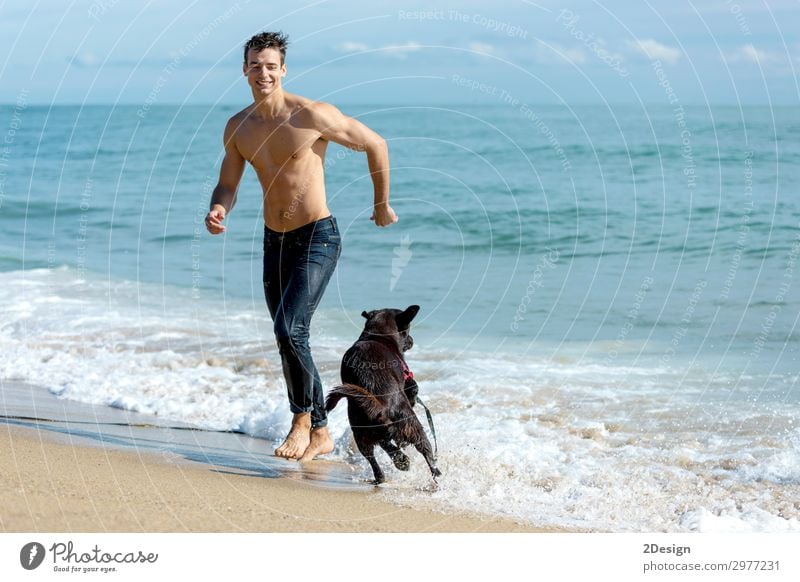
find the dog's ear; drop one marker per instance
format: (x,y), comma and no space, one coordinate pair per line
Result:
(366,315)
(404,319)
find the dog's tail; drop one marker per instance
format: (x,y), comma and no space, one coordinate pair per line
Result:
(363,398)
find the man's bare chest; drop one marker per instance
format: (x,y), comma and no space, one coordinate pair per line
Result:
(273,147)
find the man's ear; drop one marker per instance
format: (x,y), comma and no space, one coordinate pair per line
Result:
(405,318)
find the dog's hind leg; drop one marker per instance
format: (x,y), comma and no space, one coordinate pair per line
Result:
(398,457)
(368,450)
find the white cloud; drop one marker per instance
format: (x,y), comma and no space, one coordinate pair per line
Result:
(86,59)
(555,54)
(401,50)
(574,55)
(351,47)
(654,50)
(748,53)
(481,47)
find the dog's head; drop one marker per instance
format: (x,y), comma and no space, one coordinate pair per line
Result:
(393,323)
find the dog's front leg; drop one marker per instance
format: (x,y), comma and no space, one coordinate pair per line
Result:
(411,389)
(423,445)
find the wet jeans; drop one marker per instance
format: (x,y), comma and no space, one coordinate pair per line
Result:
(297,267)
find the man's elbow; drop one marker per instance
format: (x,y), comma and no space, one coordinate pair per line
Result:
(377,146)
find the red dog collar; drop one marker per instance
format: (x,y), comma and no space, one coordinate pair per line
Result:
(407,374)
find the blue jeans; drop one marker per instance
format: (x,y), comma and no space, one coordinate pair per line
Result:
(297,267)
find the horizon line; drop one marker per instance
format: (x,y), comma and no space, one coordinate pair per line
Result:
(407,104)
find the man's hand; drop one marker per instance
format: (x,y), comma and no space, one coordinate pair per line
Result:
(383,215)
(214,219)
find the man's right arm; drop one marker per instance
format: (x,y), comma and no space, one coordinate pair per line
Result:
(230,174)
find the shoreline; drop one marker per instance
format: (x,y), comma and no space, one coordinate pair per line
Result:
(50,486)
(71,467)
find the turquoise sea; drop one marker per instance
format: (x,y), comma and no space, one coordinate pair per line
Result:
(609,295)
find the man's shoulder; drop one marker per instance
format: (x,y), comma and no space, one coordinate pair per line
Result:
(235,124)
(317,113)
(323,108)
(240,116)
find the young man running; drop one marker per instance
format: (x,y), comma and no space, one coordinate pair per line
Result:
(284,137)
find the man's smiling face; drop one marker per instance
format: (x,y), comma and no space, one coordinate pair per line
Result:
(264,71)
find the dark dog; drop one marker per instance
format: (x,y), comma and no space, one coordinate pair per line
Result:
(381,391)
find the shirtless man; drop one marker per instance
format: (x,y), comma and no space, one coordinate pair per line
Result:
(284,137)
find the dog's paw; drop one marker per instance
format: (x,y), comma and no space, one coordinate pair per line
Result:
(401,461)
(436,472)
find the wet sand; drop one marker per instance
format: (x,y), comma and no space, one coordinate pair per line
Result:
(69,467)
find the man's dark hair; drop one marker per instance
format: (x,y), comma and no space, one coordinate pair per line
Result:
(265,40)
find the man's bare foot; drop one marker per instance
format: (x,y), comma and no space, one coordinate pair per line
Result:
(321,443)
(298,439)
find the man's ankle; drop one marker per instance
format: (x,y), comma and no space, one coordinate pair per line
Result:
(302,419)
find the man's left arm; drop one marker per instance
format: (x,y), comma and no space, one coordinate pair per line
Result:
(351,133)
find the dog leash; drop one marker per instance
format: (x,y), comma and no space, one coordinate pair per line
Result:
(430,424)
(409,375)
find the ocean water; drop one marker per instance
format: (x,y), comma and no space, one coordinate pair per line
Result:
(609,297)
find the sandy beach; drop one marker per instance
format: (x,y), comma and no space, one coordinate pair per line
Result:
(94,475)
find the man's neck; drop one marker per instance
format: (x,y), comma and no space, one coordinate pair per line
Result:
(271,106)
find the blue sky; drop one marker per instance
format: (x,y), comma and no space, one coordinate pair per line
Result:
(169,51)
